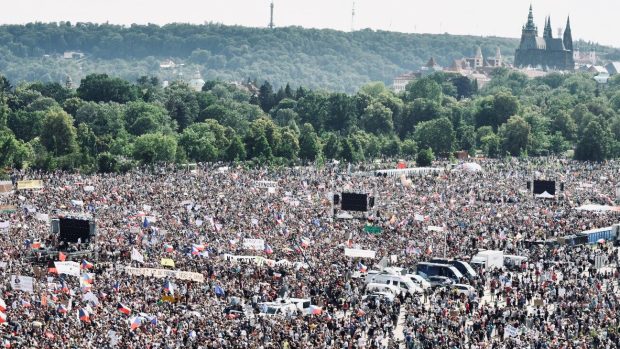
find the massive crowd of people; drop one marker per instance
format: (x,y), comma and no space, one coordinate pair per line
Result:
(200,219)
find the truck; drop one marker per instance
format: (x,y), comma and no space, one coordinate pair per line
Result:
(488,259)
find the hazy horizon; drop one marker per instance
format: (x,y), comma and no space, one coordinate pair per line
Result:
(475,17)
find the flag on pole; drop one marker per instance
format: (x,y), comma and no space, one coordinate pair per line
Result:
(2,317)
(83,315)
(168,248)
(62,257)
(219,291)
(86,264)
(268,249)
(145,223)
(2,305)
(123,309)
(136,322)
(136,255)
(361,267)
(169,287)
(62,309)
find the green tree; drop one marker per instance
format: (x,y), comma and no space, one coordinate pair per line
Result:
(309,145)
(102,88)
(26,125)
(332,147)
(58,134)
(595,144)
(436,134)
(491,145)
(425,157)
(142,117)
(236,150)
(107,163)
(516,135)
(155,147)
(377,119)
(423,88)
(289,145)
(409,148)
(200,143)
(467,138)
(182,104)
(102,118)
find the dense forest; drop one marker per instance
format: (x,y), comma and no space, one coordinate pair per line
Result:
(110,124)
(324,59)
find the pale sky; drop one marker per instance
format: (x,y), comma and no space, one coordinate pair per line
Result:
(593,20)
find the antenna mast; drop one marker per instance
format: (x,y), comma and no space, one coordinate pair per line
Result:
(271,25)
(353,17)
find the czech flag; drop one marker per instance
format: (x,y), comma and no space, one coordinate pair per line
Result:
(83,315)
(305,242)
(116,286)
(2,318)
(314,310)
(361,267)
(26,304)
(168,248)
(87,279)
(136,322)
(36,244)
(2,305)
(123,309)
(62,309)
(168,287)
(268,249)
(86,264)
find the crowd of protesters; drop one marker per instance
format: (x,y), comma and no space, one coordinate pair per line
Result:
(200,218)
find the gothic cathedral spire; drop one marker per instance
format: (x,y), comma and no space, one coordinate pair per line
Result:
(568,36)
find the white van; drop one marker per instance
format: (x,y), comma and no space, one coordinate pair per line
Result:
(373,288)
(403,282)
(419,280)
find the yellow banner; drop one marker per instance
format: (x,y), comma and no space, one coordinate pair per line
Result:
(167,262)
(30,184)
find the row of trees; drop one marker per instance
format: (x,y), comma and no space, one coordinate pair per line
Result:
(327,59)
(109,124)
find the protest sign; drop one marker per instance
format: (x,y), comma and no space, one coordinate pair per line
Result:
(355,252)
(136,256)
(372,229)
(6,187)
(162,273)
(5,225)
(8,208)
(69,268)
(22,283)
(434,228)
(89,188)
(254,244)
(43,217)
(30,184)
(511,331)
(167,262)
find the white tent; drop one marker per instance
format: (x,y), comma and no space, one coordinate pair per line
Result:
(545,195)
(469,167)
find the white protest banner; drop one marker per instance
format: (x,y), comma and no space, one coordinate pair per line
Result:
(418,217)
(91,297)
(434,228)
(199,222)
(77,202)
(5,225)
(89,188)
(22,283)
(162,273)
(43,217)
(146,208)
(222,169)
(3,265)
(136,256)
(254,244)
(30,184)
(394,259)
(355,252)
(511,331)
(265,184)
(69,268)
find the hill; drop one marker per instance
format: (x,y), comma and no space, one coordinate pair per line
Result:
(326,59)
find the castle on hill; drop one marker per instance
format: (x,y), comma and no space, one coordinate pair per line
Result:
(545,52)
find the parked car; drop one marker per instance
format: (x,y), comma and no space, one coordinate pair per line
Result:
(463,289)
(440,281)
(381,295)
(419,280)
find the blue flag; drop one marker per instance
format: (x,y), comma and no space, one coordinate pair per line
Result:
(219,291)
